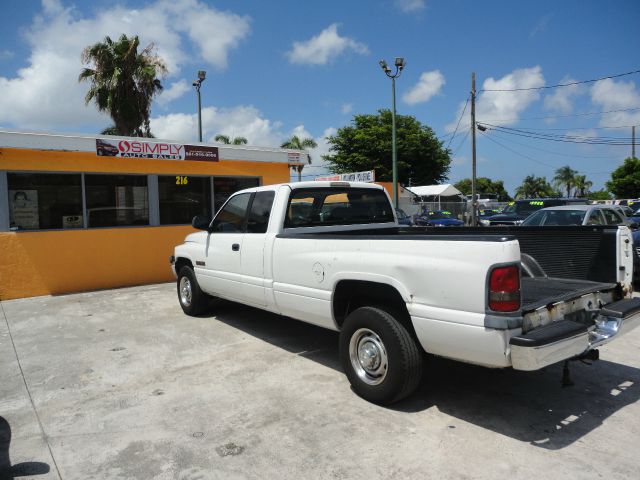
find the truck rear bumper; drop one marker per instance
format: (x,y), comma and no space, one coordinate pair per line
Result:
(567,339)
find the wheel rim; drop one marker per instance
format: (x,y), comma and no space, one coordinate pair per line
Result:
(368,356)
(185,291)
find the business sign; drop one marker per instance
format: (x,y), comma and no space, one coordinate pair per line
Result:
(155,150)
(367,177)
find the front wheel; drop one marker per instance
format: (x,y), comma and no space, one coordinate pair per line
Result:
(192,299)
(380,357)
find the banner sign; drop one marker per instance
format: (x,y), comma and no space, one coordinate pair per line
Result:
(367,177)
(156,150)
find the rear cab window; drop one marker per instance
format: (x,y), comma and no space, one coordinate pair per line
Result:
(312,207)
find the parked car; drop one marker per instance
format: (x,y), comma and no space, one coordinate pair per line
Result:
(497,300)
(517,211)
(576,215)
(437,218)
(403,218)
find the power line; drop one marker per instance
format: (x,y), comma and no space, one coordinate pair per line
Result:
(458,124)
(604,127)
(533,159)
(614,141)
(464,139)
(559,84)
(511,140)
(510,119)
(518,153)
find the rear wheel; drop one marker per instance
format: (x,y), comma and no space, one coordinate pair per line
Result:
(380,357)
(192,299)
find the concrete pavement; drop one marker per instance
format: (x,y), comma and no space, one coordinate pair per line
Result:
(120,384)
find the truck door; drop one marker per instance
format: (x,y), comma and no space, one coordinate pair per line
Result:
(222,273)
(252,259)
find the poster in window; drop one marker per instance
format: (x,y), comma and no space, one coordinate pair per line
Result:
(23,208)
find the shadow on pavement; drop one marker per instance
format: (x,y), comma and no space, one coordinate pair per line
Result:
(24,469)
(528,406)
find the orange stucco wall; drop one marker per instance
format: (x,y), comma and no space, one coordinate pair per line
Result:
(64,261)
(55,262)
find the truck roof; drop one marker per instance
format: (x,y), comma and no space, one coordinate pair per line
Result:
(320,184)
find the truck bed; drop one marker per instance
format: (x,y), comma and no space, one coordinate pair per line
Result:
(572,252)
(538,292)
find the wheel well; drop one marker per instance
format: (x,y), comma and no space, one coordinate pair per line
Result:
(352,294)
(181,262)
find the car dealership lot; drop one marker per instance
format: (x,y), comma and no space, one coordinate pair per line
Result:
(121,384)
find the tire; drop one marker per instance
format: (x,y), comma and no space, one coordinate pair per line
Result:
(380,357)
(192,299)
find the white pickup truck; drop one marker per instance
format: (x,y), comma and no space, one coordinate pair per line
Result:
(332,254)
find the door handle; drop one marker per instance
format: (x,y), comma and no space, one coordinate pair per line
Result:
(235,247)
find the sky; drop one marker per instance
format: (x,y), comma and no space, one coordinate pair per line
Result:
(277,68)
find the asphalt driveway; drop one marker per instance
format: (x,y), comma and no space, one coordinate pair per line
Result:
(119,384)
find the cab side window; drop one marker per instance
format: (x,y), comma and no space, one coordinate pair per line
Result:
(595,218)
(260,211)
(231,218)
(612,217)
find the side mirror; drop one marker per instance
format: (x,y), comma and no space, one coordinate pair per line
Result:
(634,225)
(201,222)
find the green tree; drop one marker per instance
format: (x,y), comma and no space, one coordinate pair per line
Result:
(535,187)
(365,144)
(582,185)
(227,141)
(123,82)
(484,185)
(625,180)
(565,176)
(599,195)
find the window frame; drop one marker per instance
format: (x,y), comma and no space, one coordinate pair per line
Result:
(5,214)
(153,199)
(210,177)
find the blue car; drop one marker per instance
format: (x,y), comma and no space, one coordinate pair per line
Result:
(437,218)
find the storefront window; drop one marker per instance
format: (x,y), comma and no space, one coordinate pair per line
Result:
(40,201)
(116,200)
(183,197)
(224,187)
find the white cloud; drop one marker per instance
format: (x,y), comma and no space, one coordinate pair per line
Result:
(561,100)
(500,106)
(240,121)
(173,92)
(611,95)
(430,84)
(410,6)
(46,93)
(346,108)
(541,25)
(324,47)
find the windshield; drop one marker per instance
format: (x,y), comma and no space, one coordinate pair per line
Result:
(555,217)
(524,208)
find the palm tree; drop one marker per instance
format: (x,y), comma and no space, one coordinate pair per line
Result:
(565,176)
(123,82)
(296,143)
(227,141)
(582,185)
(534,187)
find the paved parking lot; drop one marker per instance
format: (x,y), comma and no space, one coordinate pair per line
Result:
(120,384)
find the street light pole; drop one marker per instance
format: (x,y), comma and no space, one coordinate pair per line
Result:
(198,83)
(399,64)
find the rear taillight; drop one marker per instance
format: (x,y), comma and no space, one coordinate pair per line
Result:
(504,289)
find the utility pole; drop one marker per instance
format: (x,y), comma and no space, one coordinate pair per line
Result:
(473,149)
(633,142)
